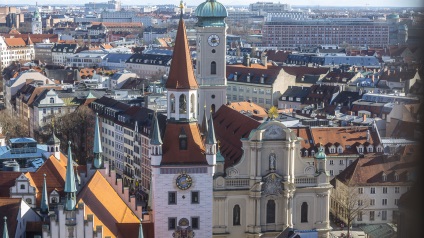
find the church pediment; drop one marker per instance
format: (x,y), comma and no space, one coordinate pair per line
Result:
(274,132)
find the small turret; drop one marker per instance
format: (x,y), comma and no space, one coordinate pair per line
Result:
(210,144)
(155,143)
(320,161)
(70,185)
(53,145)
(44,207)
(5,231)
(97,148)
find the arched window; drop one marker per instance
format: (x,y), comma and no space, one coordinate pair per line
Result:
(236,215)
(192,105)
(213,67)
(304,212)
(172,99)
(48,150)
(57,149)
(183,103)
(213,108)
(270,211)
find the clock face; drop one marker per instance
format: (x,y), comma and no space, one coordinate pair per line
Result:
(213,40)
(184,181)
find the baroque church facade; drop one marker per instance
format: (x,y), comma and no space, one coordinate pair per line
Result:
(270,190)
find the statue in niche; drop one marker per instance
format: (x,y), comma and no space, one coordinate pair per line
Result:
(272,161)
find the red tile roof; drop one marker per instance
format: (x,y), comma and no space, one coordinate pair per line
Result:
(370,170)
(172,154)
(230,126)
(10,208)
(181,74)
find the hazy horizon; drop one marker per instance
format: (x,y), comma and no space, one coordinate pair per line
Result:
(329,3)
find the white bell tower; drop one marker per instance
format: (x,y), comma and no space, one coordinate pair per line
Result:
(36,25)
(211,51)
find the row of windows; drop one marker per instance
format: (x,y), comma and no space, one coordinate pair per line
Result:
(384,190)
(172,223)
(172,197)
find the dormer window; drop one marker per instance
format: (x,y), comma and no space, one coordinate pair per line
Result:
(306,153)
(52,100)
(384,177)
(396,177)
(332,150)
(312,152)
(183,139)
(340,149)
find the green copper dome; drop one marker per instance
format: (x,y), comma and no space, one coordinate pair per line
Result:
(211,13)
(321,154)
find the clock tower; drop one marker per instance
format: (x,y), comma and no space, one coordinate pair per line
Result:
(37,27)
(183,163)
(211,51)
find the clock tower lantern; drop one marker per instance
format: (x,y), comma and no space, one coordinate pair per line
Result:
(211,51)
(37,27)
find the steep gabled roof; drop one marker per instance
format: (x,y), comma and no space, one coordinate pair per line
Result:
(181,74)
(173,155)
(108,211)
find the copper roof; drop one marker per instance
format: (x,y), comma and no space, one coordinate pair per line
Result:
(172,154)
(181,74)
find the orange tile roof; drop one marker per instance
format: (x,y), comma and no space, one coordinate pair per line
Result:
(107,207)
(15,42)
(195,153)
(257,111)
(344,136)
(181,74)
(55,172)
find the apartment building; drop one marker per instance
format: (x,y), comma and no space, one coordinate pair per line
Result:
(337,31)
(15,49)
(61,51)
(125,139)
(377,181)
(147,65)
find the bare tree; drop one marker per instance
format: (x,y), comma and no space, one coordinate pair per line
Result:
(348,203)
(12,126)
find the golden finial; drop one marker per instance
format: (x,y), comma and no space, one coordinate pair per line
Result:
(273,112)
(181,9)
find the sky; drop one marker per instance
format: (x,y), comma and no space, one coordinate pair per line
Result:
(380,3)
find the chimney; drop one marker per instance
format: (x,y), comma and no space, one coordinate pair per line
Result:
(235,76)
(246,60)
(388,72)
(368,135)
(373,78)
(264,59)
(364,117)
(262,78)
(248,78)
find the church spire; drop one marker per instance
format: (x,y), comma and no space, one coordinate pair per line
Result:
(156,139)
(210,139)
(204,128)
(97,148)
(5,231)
(140,231)
(70,185)
(44,208)
(181,74)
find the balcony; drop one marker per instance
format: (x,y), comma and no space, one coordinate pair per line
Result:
(305,181)
(237,183)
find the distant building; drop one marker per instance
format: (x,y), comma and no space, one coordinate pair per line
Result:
(269,7)
(338,31)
